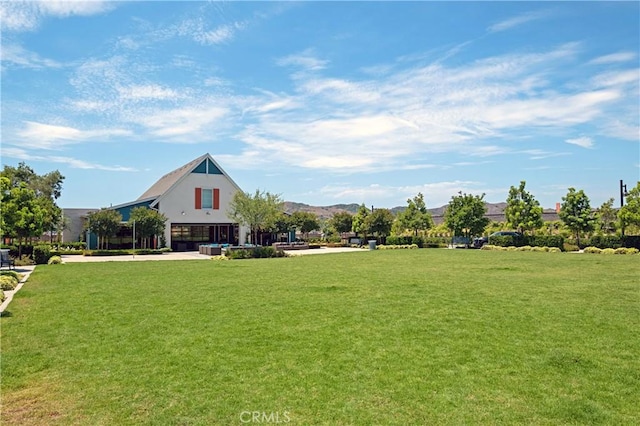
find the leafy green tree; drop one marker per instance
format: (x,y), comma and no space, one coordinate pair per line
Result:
(258,211)
(359,222)
(415,216)
(305,222)
(379,222)
(105,224)
(523,211)
(342,222)
(465,215)
(22,214)
(629,214)
(148,223)
(576,214)
(47,188)
(607,217)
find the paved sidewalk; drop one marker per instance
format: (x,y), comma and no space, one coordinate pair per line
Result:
(191,255)
(24,270)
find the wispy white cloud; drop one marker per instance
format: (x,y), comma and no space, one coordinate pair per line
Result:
(614,58)
(306,60)
(27,15)
(516,21)
(21,154)
(51,137)
(16,55)
(149,91)
(583,141)
(221,34)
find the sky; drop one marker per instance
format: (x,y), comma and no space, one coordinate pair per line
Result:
(325,102)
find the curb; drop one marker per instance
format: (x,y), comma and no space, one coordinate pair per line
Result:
(26,271)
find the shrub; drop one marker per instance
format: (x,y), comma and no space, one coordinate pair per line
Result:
(512,248)
(620,250)
(554,250)
(55,260)
(631,241)
(606,241)
(545,240)
(435,242)
(397,246)
(41,254)
(593,250)
(8,282)
(632,250)
(524,248)
(14,274)
(220,257)
(570,247)
(255,253)
(608,251)
(540,249)
(1,295)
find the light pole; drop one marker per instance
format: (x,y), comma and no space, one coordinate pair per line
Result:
(623,193)
(134,238)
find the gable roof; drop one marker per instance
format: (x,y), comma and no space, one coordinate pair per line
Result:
(171,179)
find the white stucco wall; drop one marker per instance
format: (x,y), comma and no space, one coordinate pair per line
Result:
(178,205)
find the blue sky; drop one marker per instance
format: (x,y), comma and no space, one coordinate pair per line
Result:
(326,102)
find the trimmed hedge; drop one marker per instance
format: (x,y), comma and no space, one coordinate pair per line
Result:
(254,253)
(41,254)
(8,283)
(528,240)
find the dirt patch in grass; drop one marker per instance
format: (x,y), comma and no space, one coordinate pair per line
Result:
(33,405)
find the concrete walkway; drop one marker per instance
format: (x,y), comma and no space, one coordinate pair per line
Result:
(192,255)
(25,271)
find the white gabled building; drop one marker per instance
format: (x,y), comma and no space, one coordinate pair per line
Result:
(195,199)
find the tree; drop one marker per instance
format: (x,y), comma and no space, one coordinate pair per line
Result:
(576,214)
(359,223)
(47,189)
(304,221)
(342,222)
(105,224)
(22,214)
(148,223)
(379,222)
(415,216)
(523,211)
(629,214)
(607,217)
(258,211)
(465,215)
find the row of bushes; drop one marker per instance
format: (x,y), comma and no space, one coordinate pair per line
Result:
(619,250)
(522,248)
(418,240)
(396,246)
(528,240)
(62,248)
(254,253)
(137,252)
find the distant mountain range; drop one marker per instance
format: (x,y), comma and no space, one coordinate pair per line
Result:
(495,211)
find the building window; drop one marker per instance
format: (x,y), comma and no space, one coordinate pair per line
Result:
(207,198)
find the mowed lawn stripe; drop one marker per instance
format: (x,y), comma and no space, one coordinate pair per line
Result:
(385,337)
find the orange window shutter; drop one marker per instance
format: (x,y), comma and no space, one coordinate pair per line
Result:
(198,198)
(216,199)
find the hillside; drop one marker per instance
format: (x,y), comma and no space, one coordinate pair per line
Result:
(495,211)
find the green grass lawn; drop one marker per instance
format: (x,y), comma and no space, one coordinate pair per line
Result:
(387,337)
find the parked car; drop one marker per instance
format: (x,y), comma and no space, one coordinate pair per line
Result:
(480,241)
